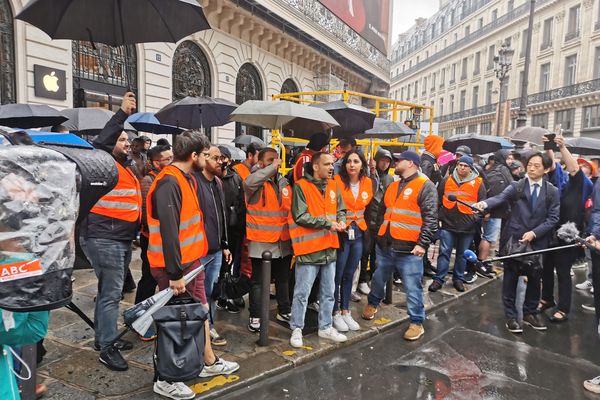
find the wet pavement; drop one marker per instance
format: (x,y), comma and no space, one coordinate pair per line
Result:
(466,353)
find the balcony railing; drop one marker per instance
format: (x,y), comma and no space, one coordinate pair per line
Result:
(572,35)
(536,98)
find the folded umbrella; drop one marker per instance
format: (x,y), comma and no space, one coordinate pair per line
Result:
(86,121)
(353,119)
(28,116)
(532,134)
(147,122)
(479,144)
(196,112)
(584,146)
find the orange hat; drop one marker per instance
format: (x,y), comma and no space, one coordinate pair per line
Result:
(433,144)
(590,165)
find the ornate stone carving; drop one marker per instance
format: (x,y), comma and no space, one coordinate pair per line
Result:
(587,4)
(7,55)
(191,72)
(559,16)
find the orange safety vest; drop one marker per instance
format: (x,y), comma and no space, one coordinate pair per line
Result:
(124,202)
(355,208)
(192,240)
(242,170)
(324,205)
(267,219)
(466,192)
(402,213)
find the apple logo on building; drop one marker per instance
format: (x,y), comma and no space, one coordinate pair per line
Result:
(51,82)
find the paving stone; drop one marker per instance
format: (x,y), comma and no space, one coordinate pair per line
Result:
(59,391)
(54,351)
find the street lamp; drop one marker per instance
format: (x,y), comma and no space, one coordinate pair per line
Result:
(502,63)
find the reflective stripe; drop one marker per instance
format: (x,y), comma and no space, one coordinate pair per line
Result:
(404,212)
(357,214)
(458,193)
(186,224)
(310,236)
(153,228)
(274,228)
(402,225)
(154,248)
(331,217)
(119,205)
(122,192)
(261,213)
(193,239)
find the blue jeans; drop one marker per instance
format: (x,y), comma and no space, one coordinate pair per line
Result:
(348,258)
(410,268)
(110,259)
(448,241)
(211,272)
(305,277)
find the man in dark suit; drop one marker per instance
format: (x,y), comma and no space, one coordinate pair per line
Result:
(535,212)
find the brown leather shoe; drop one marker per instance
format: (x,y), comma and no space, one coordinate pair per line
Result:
(414,332)
(369,312)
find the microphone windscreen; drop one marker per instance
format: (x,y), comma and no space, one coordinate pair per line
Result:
(452,197)
(470,256)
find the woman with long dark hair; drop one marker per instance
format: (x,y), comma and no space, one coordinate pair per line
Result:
(357,191)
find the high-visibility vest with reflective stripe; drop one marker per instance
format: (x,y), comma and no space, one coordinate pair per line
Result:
(355,208)
(402,213)
(267,219)
(242,170)
(124,202)
(466,192)
(192,239)
(324,205)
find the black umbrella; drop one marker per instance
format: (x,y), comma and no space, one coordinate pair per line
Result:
(532,134)
(386,129)
(116,22)
(584,146)
(87,121)
(196,112)
(353,119)
(28,116)
(479,144)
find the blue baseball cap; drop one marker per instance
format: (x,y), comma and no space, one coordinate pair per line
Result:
(410,156)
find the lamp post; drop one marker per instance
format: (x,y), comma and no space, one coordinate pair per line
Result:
(502,63)
(522,118)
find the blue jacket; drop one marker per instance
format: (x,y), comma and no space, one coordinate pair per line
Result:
(594,223)
(522,218)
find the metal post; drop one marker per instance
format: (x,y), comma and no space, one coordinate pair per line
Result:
(28,354)
(389,287)
(265,286)
(522,118)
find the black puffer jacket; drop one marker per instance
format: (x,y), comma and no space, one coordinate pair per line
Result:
(428,202)
(430,168)
(380,184)
(234,204)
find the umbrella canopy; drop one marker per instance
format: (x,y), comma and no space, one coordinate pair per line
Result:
(58,138)
(147,122)
(584,146)
(116,22)
(28,116)
(297,120)
(237,154)
(246,140)
(531,134)
(196,112)
(353,119)
(86,121)
(479,144)
(385,129)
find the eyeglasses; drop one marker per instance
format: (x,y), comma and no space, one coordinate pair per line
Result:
(217,158)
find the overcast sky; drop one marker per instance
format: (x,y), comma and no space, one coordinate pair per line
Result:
(406,11)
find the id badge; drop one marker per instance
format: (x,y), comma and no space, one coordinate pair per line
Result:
(351,234)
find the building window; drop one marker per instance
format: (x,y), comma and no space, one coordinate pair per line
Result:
(443,78)
(523,43)
(467,30)
(547,34)
(433,81)
(416,89)
(591,117)
(248,86)
(7,54)
(463,74)
(486,128)
(475,97)
(424,85)
(504,89)
(441,106)
(453,73)
(459,130)
(494,15)
(566,120)
(570,70)
(489,89)
(511,6)
(491,55)
(401,93)
(463,100)
(540,120)
(573,23)
(477,63)
(101,76)
(545,77)
(597,63)
(472,128)
(451,104)
(191,73)
(480,23)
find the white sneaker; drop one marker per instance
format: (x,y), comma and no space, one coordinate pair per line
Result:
(585,285)
(220,367)
(350,322)
(296,339)
(364,288)
(332,334)
(338,323)
(175,390)
(593,385)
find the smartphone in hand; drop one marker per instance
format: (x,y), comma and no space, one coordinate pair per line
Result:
(550,144)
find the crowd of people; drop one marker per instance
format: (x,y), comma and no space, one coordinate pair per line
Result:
(338,227)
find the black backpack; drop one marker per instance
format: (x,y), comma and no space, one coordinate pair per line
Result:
(496,181)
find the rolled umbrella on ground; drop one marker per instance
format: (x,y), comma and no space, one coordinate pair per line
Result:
(27,116)
(479,144)
(196,112)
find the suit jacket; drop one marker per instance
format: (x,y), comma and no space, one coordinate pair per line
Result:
(523,218)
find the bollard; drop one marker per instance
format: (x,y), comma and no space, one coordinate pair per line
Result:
(389,286)
(28,353)
(265,289)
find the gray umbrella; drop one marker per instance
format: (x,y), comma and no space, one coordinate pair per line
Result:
(584,146)
(87,121)
(246,140)
(237,154)
(385,129)
(28,116)
(116,22)
(532,134)
(196,112)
